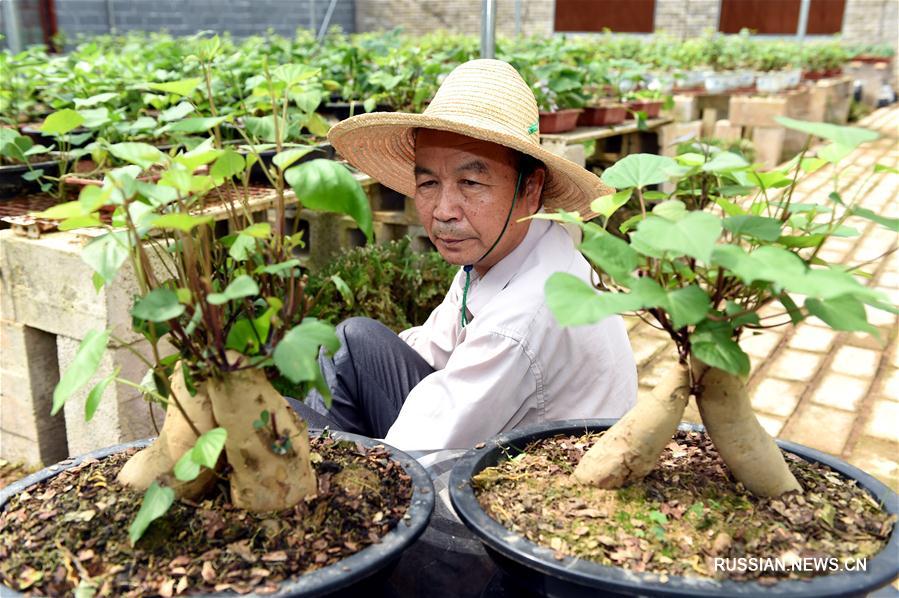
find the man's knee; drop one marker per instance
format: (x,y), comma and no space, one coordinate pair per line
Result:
(358,328)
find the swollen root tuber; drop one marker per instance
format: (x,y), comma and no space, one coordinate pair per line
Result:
(271,466)
(748,450)
(631,448)
(175,439)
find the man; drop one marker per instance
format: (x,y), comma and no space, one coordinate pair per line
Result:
(491,357)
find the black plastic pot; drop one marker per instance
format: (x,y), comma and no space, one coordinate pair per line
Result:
(257,175)
(341,577)
(12,184)
(535,569)
(341,110)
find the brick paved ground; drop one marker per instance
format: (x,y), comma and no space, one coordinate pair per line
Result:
(835,391)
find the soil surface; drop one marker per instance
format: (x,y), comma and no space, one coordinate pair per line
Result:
(686,513)
(71,532)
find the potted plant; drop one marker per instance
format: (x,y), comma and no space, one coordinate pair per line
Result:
(602,109)
(558,89)
(237,493)
(701,265)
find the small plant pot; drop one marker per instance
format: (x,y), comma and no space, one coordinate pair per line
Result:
(342,110)
(652,108)
(350,574)
(257,175)
(12,184)
(600,116)
(559,121)
(537,569)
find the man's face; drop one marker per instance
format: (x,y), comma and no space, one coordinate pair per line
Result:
(464,189)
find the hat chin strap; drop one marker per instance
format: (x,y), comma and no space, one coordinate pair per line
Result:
(467,268)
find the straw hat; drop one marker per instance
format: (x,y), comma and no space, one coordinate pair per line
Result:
(484,99)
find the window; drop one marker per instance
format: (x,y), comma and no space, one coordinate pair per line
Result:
(781,17)
(625,16)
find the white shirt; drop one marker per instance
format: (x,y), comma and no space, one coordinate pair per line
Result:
(513,364)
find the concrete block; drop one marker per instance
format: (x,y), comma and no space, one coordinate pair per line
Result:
(49,287)
(685,108)
(768,143)
(760,111)
(725,131)
(28,375)
(122,415)
(672,134)
(830,100)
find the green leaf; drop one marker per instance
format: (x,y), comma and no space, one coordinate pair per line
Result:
(186,469)
(611,254)
(69,209)
(712,344)
(759,227)
(609,204)
(812,165)
(885,168)
(673,209)
(106,254)
(159,305)
(100,98)
(82,369)
(841,313)
(61,122)
(296,356)
(142,154)
(725,162)
(573,302)
(183,222)
(157,501)
(196,124)
(182,87)
(242,286)
(242,247)
(327,185)
(800,240)
(688,306)
(850,137)
(834,153)
(96,393)
(228,164)
(638,170)
(284,159)
(209,446)
(693,235)
(176,112)
(259,230)
(344,289)
(890,223)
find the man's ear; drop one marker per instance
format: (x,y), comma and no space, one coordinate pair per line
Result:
(534,190)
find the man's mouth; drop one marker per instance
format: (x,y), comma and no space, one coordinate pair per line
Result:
(451,242)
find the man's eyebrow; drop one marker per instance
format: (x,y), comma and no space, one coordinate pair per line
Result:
(422,170)
(475,165)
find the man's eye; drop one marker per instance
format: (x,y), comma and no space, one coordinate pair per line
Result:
(427,184)
(469,182)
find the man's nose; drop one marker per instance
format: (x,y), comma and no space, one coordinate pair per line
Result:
(449,204)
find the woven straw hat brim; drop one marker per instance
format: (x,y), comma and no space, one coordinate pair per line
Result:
(382,145)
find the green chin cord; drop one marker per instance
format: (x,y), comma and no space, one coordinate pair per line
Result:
(467,268)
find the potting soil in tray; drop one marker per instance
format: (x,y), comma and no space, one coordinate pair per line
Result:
(73,530)
(685,513)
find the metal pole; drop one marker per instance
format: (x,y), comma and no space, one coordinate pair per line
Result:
(110,16)
(517,18)
(803,20)
(488,29)
(326,22)
(12,26)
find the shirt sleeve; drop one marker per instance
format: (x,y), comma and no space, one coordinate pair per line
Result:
(488,381)
(435,340)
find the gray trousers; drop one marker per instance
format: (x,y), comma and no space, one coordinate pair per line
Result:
(370,377)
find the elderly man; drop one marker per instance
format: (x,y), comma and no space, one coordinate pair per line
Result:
(491,357)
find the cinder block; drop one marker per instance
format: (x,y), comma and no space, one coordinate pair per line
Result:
(768,143)
(122,414)
(725,131)
(672,134)
(760,111)
(685,108)
(830,100)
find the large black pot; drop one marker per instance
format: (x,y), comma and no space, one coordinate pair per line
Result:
(536,570)
(12,184)
(342,577)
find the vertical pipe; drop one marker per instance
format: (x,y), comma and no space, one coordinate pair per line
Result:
(12,26)
(802,26)
(488,28)
(110,17)
(326,22)
(517,18)
(311,15)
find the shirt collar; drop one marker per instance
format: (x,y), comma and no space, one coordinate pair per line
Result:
(484,288)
